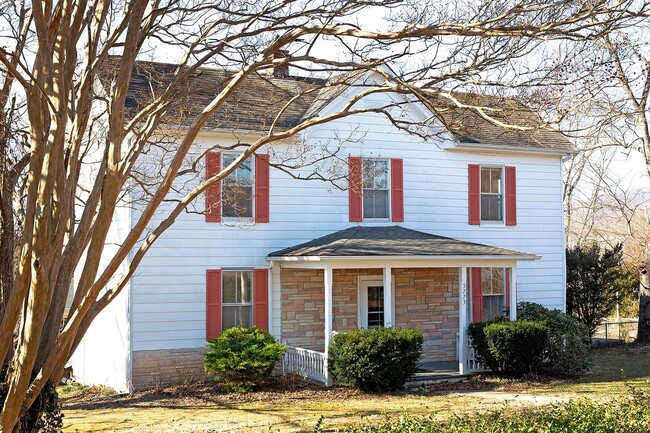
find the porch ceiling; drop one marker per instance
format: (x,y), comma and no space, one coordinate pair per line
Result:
(392,243)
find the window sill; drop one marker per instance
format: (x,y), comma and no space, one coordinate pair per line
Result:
(493,224)
(234,221)
(376,220)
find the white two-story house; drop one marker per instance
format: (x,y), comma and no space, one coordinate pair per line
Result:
(428,233)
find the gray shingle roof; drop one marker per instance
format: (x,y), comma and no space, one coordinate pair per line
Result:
(525,127)
(364,241)
(257,102)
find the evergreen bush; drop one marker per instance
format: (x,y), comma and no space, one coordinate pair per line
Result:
(375,359)
(568,349)
(243,357)
(517,347)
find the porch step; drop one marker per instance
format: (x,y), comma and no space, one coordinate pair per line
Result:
(428,378)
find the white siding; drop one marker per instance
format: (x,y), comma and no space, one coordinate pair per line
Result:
(168,292)
(103,356)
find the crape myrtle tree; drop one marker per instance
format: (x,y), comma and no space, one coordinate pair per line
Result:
(78,114)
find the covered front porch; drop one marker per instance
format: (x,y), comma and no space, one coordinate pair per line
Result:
(385,276)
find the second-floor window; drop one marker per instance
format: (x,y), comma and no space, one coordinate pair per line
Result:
(237,195)
(492,194)
(375,189)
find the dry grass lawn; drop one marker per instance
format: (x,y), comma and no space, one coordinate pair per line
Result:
(295,407)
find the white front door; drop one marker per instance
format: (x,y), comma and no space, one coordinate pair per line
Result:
(371,303)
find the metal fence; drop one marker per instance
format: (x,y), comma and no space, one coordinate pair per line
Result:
(617,329)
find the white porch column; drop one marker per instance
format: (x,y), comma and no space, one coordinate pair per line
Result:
(463,299)
(389,320)
(328,319)
(513,293)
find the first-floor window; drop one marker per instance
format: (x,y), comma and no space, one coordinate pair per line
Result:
(375,306)
(237,299)
(493,291)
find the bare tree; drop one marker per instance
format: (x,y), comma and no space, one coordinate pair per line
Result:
(613,97)
(77,105)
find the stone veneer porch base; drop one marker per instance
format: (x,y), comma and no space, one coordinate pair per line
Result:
(157,368)
(425,298)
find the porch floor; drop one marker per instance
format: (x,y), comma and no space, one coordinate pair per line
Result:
(434,372)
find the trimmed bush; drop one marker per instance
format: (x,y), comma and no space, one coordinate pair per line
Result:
(568,345)
(476,333)
(243,357)
(517,347)
(375,359)
(626,415)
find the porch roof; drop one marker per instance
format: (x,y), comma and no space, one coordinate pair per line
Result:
(392,241)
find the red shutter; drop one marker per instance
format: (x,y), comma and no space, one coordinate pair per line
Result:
(355,189)
(508,288)
(213,192)
(212,304)
(261,298)
(397,189)
(511,196)
(477,296)
(474,189)
(262,189)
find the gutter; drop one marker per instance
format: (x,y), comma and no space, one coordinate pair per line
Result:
(523,257)
(463,146)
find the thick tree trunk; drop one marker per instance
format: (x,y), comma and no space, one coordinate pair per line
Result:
(643,335)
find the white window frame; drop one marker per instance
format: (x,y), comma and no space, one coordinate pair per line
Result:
(231,219)
(389,188)
(502,222)
(363,281)
(503,294)
(230,304)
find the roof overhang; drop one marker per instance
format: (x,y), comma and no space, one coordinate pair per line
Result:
(478,147)
(441,261)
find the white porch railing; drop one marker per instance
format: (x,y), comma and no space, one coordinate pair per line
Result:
(306,363)
(472,363)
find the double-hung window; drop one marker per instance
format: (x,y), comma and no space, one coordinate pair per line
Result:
(375,189)
(493,290)
(237,196)
(492,194)
(237,299)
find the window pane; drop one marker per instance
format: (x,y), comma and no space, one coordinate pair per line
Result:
(495,180)
(492,282)
(491,208)
(375,203)
(237,201)
(375,306)
(242,175)
(244,291)
(229,287)
(493,307)
(375,174)
(237,287)
(485,179)
(237,316)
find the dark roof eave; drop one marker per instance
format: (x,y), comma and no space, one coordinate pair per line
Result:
(318,258)
(462,146)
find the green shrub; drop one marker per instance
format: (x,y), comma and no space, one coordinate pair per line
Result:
(518,347)
(476,333)
(568,345)
(625,415)
(243,357)
(375,359)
